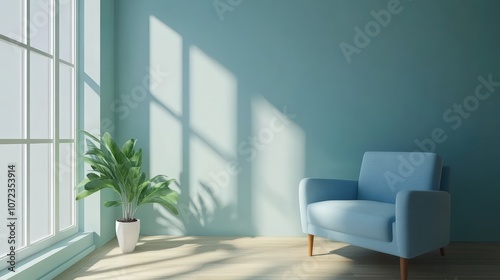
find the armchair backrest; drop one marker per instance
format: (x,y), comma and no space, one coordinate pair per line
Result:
(384,174)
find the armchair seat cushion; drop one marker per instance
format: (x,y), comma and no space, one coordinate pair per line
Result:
(363,218)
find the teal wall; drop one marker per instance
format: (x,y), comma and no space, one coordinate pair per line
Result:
(247,97)
(96,96)
(108,216)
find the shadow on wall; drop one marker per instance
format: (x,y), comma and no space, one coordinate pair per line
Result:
(236,152)
(223,100)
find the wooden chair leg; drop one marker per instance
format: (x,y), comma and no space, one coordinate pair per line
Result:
(441,251)
(310,241)
(403,267)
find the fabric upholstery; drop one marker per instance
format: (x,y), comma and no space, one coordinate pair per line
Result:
(313,190)
(364,218)
(384,174)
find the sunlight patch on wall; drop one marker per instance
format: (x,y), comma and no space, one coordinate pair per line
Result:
(92,43)
(166,105)
(165,158)
(164,82)
(165,143)
(91,122)
(277,168)
(92,116)
(213,137)
(165,61)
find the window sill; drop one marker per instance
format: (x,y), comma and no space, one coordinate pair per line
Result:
(53,260)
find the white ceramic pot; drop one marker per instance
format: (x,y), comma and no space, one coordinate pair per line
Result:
(128,235)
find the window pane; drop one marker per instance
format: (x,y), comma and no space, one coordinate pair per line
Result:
(11,155)
(40,192)
(66,26)
(66,186)
(40,96)
(12,19)
(11,95)
(66,105)
(41,18)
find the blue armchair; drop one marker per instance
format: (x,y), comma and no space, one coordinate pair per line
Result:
(397,206)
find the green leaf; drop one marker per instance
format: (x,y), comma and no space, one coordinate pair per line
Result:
(128,148)
(166,204)
(96,162)
(83,182)
(100,167)
(91,136)
(84,194)
(96,152)
(160,190)
(112,147)
(155,191)
(171,197)
(99,184)
(142,179)
(136,159)
(112,203)
(159,179)
(92,176)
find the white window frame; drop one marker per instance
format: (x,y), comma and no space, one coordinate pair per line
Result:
(57,234)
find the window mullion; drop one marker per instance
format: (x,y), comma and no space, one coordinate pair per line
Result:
(55,37)
(27,132)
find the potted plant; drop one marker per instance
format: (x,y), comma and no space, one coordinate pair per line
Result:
(120,170)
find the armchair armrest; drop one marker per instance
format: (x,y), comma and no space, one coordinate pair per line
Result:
(422,221)
(314,190)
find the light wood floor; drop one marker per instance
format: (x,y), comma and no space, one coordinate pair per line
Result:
(169,257)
